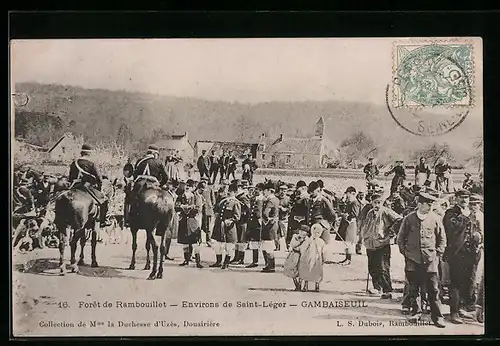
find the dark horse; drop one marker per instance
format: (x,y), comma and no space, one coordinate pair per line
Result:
(152,209)
(77,210)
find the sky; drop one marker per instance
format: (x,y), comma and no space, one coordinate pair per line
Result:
(243,70)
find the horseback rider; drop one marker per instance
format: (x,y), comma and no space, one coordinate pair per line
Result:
(83,175)
(150,167)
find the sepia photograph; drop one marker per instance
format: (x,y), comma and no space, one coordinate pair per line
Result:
(247,187)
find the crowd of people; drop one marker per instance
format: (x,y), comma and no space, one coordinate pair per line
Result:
(439,230)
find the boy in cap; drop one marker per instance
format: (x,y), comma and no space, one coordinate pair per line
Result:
(348,228)
(421,240)
(377,230)
(462,253)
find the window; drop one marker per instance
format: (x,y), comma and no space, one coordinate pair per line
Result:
(63,149)
(288,158)
(263,157)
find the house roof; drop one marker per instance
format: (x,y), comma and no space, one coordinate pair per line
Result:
(175,142)
(219,146)
(296,145)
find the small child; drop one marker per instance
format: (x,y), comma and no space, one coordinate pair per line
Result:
(291,266)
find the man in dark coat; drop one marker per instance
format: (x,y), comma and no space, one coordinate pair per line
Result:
(320,211)
(399,175)
(209,201)
(203,165)
(151,166)
(270,218)
(83,174)
(231,169)
(223,166)
(463,239)
(298,210)
(422,172)
(254,227)
(422,240)
(371,170)
(228,214)
(241,226)
(249,166)
(214,166)
(189,204)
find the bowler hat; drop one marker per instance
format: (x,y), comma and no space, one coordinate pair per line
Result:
(269,186)
(350,189)
(301,183)
(462,193)
(259,186)
(313,185)
(233,187)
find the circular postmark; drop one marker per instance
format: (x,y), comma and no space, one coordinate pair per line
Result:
(431,89)
(20,99)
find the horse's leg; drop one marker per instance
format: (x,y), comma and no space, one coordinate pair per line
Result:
(162,257)
(154,246)
(62,245)
(93,244)
(83,240)
(133,230)
(148,248)
(72,245)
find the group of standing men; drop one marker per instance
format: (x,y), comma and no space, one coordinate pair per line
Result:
(209,166)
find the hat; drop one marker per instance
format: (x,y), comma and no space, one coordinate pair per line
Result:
(305,228)
(350,189)
(313,185)
(244,183)
(467,174)
(200,185)
(290,185)
(204,179)
(233,187)
(190,182)
(301,183)
(87,148)
(424,197)
(259,186)
(153,148)
(462,193)
(475,198)
(321,184)
(268,186)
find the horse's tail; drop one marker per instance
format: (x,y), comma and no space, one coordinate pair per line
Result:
(66,214)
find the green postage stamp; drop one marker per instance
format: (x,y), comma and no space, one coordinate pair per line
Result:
(433,74)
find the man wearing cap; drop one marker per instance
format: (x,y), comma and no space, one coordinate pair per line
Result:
(399,175)
(377,229)
(298,210)
(348,227)
(241,225)
(422,172)
(203,165)
(214,167)
(254,228)
(228,213)
(284,211)
(83,174)
(329,195)
(464,239)
(468,182)
(362,216)
(320,211)
(370,170)
(270,219)
(422,240)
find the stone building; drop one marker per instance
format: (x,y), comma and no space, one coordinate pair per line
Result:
(290,152)
(170,144)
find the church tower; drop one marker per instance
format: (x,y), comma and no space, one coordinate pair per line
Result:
(320,128)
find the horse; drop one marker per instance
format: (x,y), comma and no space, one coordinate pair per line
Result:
(75,209)
(153,210)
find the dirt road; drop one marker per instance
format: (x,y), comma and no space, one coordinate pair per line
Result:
(191,301)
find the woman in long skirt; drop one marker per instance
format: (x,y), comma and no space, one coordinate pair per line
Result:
(291,266)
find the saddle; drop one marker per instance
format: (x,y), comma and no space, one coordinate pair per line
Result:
(97,195)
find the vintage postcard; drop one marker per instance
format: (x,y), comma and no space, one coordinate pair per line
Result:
(247,187)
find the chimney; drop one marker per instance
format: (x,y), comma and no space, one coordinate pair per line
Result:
(281,137)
